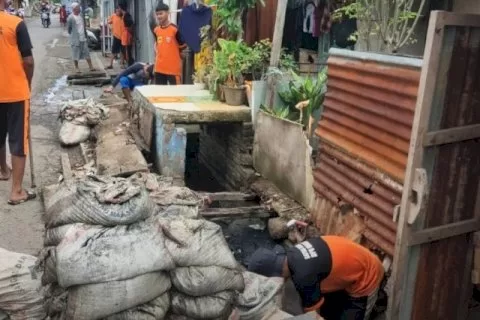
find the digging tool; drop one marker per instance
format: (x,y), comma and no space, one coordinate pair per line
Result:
(30,154)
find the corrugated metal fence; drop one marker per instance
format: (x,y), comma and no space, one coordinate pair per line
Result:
(364,137)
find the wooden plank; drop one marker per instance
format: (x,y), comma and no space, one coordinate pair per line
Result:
(276,48)
(90,81)
(66,167)
(238,212)
(86,75)
(401,300)
(460,20)
(116,154)
(229,196)
(452,135)
(443,232)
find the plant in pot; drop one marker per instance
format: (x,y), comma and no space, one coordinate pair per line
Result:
(230,62)
(306,95)
(259,62)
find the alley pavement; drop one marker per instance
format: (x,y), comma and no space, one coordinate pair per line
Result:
(21,226)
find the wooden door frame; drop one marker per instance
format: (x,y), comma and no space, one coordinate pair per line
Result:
(411,232)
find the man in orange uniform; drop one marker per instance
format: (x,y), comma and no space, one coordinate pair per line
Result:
(16,70)
(127,34)
(326,265)
(169,43)
(116,20)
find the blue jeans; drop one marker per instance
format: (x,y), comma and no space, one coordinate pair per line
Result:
(129,83)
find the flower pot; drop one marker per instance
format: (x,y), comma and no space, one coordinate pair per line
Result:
(234,96)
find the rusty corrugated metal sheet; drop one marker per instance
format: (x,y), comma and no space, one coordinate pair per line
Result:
(340,177)
(364,137)
(442,267)
(368,110)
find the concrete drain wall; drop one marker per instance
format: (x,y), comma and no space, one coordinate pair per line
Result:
(226,150)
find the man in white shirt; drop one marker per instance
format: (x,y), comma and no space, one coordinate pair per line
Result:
(78,38)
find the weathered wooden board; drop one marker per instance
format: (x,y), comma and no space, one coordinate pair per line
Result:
(117,153)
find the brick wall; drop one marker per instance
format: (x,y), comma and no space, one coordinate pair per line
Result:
(226,150)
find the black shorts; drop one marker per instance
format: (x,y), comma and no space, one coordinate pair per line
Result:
(164,79)
(14,121)
(116,46)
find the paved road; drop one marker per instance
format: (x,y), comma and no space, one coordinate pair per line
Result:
(21,228)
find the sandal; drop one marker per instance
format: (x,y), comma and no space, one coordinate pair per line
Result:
(30,196)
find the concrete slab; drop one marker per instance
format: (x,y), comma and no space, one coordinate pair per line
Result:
(188,104)
(117,153)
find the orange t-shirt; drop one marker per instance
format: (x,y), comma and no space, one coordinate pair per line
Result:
(117,26)
(127,37)
(169,43)
(331,264)
(354,268)
(13,81)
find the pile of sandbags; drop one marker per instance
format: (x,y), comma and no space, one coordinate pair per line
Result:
(105,256)
(78,116)
(113,254)
(206,278)
(21,292)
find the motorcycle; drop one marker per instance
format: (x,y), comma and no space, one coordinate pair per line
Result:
(45,16)
(92,40)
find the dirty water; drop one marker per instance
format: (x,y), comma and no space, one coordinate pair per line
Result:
(245,236)
(59,84)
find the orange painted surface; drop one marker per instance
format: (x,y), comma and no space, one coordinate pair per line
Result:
(166,99)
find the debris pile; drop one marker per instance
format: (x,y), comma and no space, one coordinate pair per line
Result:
(78,117)
(137,248)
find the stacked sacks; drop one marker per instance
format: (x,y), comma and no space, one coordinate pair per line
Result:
(21,292)
(206,277)
(108,258)
(114,255)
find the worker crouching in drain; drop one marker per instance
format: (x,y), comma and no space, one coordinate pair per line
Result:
(336,277)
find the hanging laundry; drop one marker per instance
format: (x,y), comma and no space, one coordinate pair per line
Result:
(193,18)
(322,18)
(308,20)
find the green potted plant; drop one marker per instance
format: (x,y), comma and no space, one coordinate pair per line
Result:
(305,95)
(230,62)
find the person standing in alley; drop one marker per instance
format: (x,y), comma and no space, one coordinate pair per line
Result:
(127,34)
(78,38)
(169,43)
(116,21)
(16,69)
(63,15)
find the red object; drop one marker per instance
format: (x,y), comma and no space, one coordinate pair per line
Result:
(63,15)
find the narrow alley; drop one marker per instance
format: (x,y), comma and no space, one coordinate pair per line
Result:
(223,160)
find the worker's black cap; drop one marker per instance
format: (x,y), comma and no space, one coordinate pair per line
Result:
(267,262)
